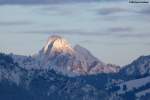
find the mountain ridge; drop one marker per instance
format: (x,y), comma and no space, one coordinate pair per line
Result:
(77,60)
(42,76)
(138,68)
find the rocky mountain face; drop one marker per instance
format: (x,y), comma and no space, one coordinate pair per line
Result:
(58,54)
(46,75)
(17,83)
(138,68)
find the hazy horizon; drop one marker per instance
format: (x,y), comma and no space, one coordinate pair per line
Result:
(115,33)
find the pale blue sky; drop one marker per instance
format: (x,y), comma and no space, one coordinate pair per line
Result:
(114,32)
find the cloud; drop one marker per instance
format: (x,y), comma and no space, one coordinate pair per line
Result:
(145,10)
(128,32)
(135,35)
(148,44)
(115,32)
(11,23)
(111,10)
(54,11)
(66,32)
(121,29)
(32,2)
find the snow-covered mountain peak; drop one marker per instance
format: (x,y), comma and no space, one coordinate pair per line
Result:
(57,45)
(58,55)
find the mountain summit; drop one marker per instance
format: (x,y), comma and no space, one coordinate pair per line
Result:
(58,54)
(57,45)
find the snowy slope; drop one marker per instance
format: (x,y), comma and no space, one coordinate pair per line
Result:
(134,84)
(142,93)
